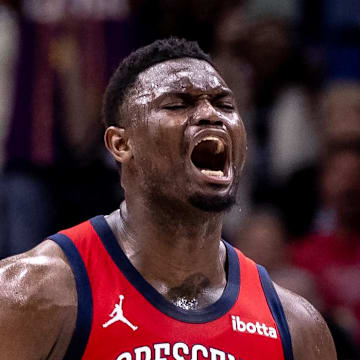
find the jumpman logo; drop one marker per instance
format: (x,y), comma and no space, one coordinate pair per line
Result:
(118,315)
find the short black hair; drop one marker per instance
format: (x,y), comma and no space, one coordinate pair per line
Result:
(138,61)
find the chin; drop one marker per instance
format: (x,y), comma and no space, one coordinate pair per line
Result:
(213,203)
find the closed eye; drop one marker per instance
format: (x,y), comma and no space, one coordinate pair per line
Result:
(226,106)
(174,106)
(224,101)
(175,101)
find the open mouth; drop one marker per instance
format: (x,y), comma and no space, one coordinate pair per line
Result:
(210,157)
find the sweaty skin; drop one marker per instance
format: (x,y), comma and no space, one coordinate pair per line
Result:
(168,107)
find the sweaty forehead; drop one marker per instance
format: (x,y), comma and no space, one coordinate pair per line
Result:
(179,75)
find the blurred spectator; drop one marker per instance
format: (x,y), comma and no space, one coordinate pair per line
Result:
(236,72)
(337,114)
(54,154)
(333,255)
(340,111)
(263,238)
(8,55)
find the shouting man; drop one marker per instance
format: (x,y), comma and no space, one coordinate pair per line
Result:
(173,128)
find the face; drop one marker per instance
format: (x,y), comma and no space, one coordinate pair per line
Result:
(187,139)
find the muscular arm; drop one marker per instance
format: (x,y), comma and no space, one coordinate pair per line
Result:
(310,336)
(37,304)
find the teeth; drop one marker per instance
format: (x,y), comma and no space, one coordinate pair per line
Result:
(217,173)
(219,147)
(219,144)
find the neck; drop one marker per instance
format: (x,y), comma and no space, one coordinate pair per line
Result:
(172,249)
(181,239)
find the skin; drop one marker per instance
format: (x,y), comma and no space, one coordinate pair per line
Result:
(158,179)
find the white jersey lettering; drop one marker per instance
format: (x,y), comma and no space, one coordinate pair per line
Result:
(253,328)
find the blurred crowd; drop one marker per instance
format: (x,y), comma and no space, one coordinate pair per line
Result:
(294,66)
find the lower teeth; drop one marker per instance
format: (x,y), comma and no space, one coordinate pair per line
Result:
(218,173)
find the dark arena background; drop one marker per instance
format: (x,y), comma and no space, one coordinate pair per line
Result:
(294,66)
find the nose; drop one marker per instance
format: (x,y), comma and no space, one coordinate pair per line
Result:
(206,114)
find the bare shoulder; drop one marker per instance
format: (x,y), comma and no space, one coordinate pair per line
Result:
(38,304)
(311,338)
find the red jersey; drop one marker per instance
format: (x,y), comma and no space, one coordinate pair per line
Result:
(122,317)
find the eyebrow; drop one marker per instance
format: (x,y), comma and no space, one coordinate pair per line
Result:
(224,93)
(188,96)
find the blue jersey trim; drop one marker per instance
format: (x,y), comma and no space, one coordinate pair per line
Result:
(82,330)
(277,312)
(210,313)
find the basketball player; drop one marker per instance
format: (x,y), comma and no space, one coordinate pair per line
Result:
(154,280)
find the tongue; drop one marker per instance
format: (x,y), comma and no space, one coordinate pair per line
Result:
(217,173)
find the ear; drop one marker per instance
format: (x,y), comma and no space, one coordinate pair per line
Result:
(117,142)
